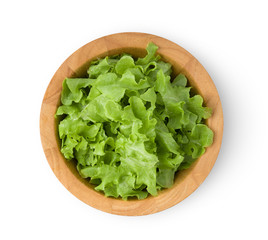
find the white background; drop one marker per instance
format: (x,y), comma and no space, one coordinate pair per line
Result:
(228,37)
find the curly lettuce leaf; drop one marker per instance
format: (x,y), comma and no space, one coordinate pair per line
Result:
(72,89)
(129,126)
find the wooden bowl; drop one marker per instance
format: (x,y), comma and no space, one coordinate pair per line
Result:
(187,181)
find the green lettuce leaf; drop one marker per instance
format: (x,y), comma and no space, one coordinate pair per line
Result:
(129,126)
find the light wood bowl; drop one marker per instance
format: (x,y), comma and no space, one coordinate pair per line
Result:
(186,181)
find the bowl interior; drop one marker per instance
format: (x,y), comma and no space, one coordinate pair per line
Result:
(81,71)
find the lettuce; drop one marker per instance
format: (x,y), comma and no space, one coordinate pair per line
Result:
(129,127)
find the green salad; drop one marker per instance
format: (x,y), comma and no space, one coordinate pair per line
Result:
(129,126)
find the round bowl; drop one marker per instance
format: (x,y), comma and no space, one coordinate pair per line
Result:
(186,181)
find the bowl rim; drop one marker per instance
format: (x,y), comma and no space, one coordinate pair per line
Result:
(134,43)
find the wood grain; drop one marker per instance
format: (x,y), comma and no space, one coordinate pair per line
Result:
(186,181)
